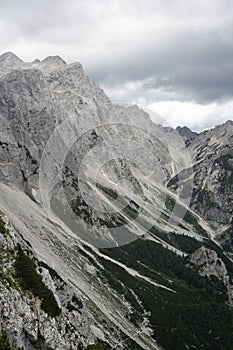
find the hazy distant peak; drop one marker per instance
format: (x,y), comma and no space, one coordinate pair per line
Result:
(227,124)
(186,133)
(9,62)
(53,59)
(9,56)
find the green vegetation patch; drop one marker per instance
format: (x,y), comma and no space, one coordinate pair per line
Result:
(182,242)
(192,219)
(5,344)
(31,280)
(3,229)
(195,317)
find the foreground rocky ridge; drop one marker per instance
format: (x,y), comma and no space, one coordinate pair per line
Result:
(22,317)
(82,271)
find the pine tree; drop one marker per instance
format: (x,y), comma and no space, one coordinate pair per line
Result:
(4,342)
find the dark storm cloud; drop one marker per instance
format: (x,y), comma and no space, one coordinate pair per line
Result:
(197,68)
(150,50)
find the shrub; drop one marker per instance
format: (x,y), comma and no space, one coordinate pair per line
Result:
(31,280)
(4,342)
(3,230)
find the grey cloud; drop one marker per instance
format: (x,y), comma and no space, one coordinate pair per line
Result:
(201,70)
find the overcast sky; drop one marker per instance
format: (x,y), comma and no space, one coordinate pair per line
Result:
(173,56)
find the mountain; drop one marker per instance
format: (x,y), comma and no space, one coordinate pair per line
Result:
(213,182)
(187,134)
(115,232)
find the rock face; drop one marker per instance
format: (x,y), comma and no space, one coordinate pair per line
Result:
(34,97)
(209,264)
(21,315)
(213,173)
(187,134)
(212,196)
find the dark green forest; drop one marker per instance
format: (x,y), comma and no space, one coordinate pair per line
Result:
(195,315)
(31,280)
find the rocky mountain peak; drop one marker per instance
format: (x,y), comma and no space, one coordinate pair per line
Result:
(9,62)
(54,60)
(10,57)
(224,129)
(187,134)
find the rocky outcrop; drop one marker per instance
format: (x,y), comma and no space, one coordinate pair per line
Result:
(21,315)
(187,134)
(209,264)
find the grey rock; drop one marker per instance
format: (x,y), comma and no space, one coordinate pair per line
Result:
(187,134)
(21,316)
(209,264)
